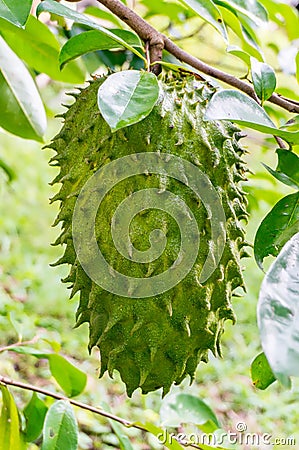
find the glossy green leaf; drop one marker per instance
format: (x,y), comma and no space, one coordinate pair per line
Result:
(263,78)
(278,312)
(239,53)
(235,106)
(26,350)
(127,97)
(292,124)
(94,40)
(208,11)
(61,10)
(60,428)
(261,372)
(297,67)
(22,110)
(124,441)
(287,170)
(252,9)
(185,408)
(35,412)
(39,48)
(70,378)
(15,11)
(277,228)
(9,422)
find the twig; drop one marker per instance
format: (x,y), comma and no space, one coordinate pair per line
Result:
(20,343)
(158,41)
(30,387)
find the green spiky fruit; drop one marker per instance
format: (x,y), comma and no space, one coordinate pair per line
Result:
(157,341)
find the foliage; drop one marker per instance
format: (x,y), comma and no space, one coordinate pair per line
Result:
(266,54)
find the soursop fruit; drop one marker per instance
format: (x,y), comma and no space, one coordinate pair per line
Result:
(157,341)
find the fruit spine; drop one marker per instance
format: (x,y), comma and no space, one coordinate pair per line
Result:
(157,341)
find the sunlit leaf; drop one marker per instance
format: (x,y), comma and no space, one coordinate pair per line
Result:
(263,78)
(22,110)
(34,412)
(105,15)
(94,40)
(127,97)
(239,53)
(261,373)
(60,428)
(277,228)
(39,48)
(9,422)
(278,312)
(162,435)
(207,10)
(235,106)
(61,10)
(287,170)
(252,9)
(124,441)
(70,378)
(15,11)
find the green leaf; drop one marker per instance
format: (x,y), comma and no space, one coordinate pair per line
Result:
(277,228)
(287,170)
(60,10)
(94,40)
(252,9)
(9,422)
(263,78)
(235,106)
(22,110)
(25,350)
(39,48)
(194,411)
(124,441)
(70,378)
(15,11)
(101,14)
(261,372)
(60,428)
(208,11)
(35,413)
(127,97)
(278,312)
(239,53)
(297,67)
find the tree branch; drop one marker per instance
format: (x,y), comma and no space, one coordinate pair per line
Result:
(30,387)
(158,41)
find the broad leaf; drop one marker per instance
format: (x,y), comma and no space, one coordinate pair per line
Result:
(39,48)
(22,111)
(94,40)
(34,412)
(101,14)
(263,78)
(60,10)
(235,106)
(195,411)
(239,53)
(252,9)
(60,428)
(207,10)
(9,422)
(287,170)
(277,228)
(15,11)
(261,373)
(127,97)
(278,312)
(71,379)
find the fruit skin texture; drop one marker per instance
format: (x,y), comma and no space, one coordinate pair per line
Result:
(157,341)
